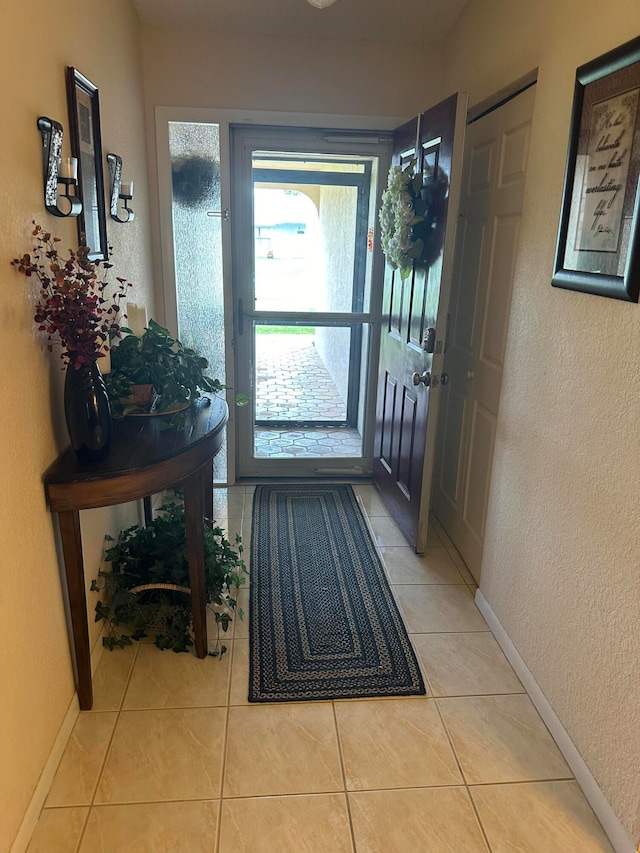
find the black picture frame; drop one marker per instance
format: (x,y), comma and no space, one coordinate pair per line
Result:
(598,248)
(86,145)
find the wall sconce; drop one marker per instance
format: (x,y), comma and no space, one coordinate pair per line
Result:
(120,191)
(57,170)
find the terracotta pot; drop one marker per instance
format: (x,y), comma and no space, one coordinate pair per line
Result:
(142,395)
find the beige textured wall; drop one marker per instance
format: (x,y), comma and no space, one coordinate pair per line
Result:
(276,74)
(563,534)
(194,69)
(36,683)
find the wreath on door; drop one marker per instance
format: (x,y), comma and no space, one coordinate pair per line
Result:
(411,220)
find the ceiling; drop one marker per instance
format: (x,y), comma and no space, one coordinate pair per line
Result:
(422,21)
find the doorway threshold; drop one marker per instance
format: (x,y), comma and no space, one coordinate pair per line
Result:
(308,441)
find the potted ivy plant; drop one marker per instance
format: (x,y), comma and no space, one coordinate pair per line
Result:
(147,588)
(171,374)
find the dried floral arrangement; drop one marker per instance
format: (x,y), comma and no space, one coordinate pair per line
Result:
(76,307)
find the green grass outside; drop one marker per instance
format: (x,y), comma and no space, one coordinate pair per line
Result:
(285,330)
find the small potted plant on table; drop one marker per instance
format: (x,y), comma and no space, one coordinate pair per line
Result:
(155,374)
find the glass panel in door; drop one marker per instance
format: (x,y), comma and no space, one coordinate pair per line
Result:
(309,399)
(310,223)
(304,263)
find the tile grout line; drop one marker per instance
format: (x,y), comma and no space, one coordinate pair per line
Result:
(522,782)
(323,793)
(480,824)
(232,641)
(344,777)
(478,695)
(365,515)
(431,691)
(464,778)
(108,749)
(226,735)
(392,586)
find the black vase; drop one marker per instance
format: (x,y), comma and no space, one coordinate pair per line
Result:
(87,411)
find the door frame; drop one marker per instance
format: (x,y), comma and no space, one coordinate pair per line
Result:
(296,139)
(337,126)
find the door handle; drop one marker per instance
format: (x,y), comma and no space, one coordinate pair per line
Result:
(240,317)
(424,378)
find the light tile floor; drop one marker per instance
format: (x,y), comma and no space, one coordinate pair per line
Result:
(173,759)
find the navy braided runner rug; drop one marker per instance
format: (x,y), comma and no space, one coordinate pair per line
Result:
(323,620)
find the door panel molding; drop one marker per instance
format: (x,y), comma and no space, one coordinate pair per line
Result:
(482,436)
(494,174)
(437,137)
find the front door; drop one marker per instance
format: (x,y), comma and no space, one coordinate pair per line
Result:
(414,324)
(495,164)
(304,213)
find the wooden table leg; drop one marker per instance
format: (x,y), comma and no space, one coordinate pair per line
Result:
(194,515)
(147,503)
(72,549)
(207,485)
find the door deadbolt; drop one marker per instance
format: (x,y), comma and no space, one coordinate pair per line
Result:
(424,378)
(443,379)
(429,340)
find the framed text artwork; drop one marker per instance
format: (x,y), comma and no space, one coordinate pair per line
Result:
(86,145)
(598,247)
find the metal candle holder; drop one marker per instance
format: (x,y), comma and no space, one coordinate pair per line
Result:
(52,134)
(115,172)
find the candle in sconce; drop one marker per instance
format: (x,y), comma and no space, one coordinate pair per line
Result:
(136,318)
(68,168)
(126,189)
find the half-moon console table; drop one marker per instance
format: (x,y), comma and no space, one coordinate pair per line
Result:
(143,460)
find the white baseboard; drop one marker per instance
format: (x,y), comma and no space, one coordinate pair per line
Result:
(34,808)
(32,814)
(611,824)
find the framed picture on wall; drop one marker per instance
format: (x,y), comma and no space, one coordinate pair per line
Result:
(86,145)
(598,248)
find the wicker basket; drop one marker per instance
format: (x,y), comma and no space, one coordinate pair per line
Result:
(174,586)
(151,586)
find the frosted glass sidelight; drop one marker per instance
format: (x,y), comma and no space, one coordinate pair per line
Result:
(195,166)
